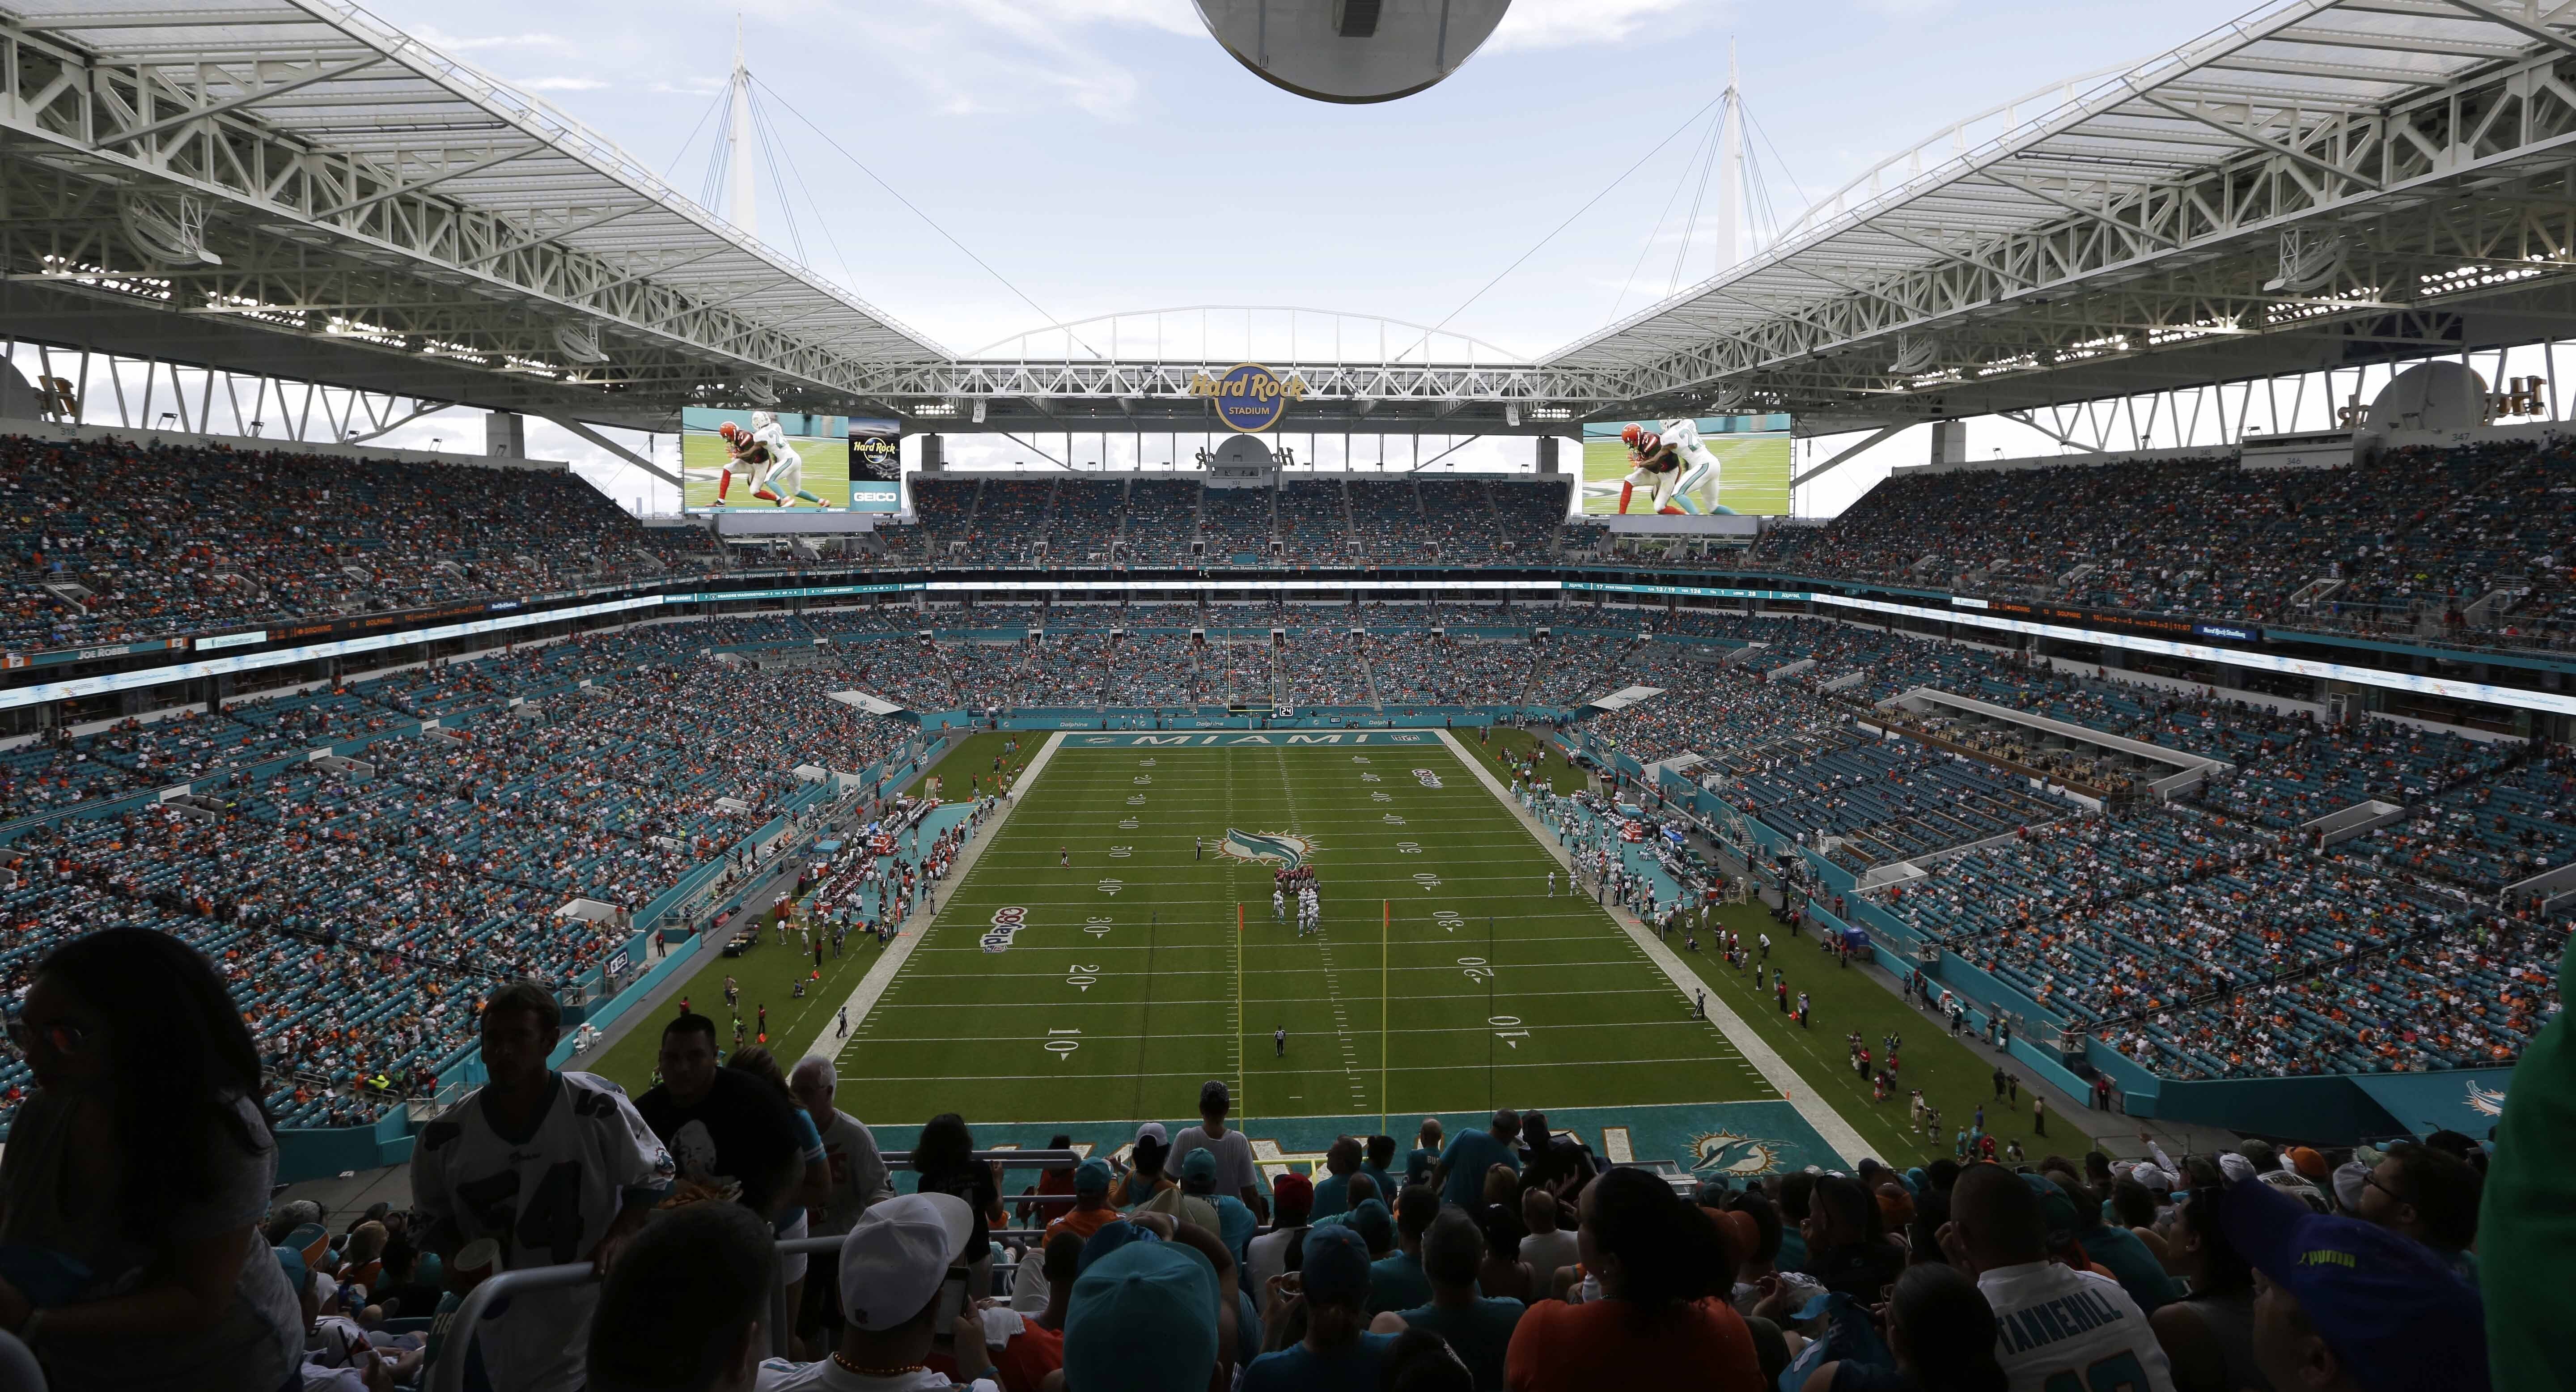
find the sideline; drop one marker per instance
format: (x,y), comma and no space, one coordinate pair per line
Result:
(1775,1070)
(872,987)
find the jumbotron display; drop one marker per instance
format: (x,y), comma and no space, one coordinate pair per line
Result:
(1711,466)
(732,461)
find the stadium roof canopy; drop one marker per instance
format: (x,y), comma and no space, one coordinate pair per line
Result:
(2324,182)
(375,213)
(295,187)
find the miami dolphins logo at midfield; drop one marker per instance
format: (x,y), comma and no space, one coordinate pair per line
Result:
(1278,848)
(1725,1153)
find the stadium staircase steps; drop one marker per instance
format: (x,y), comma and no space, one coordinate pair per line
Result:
(2313,593)
(1118,534)
(1198,519)
(1350,520)
(1368,673)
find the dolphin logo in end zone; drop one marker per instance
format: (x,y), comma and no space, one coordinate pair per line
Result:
(2486,1101)
(1725,1153)
(1285,851)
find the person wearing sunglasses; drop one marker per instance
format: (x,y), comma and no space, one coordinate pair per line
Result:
(140,1166)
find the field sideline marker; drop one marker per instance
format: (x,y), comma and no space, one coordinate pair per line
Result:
(872,987)
(1818,1113)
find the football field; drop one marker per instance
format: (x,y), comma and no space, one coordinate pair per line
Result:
(1446,978)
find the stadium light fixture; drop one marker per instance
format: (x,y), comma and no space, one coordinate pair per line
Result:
(1551,413)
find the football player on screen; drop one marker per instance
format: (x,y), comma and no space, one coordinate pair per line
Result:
(778,471)
(1675,464)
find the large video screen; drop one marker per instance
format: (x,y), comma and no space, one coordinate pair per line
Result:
(1711,466)
(774,460)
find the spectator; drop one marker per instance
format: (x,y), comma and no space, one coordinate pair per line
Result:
(1330,1297)
(137,1054)
(1999,1235)
(727,1134)
(1657,1259)
(2114,1248)
(1460,1175)
(1557,1163)
(1377,1154)
(1847,1245)
(1292,1196)
(2208,1334)
(1478,1328)
(1942,1334)
(1091,1207)
(1144,1178)
(1422,1361)
(1332,1192)
(496,1167)
(855,1177)
(2530,1224)
(1235,1174)
(1797,1195)
(1235,1223)
(795,1224)
(1147,1316)
(2344,1305)
(685,1309)
(2430,1196)
(337,1356)
(944,1156)
(1396,1280)
(1546,1247)
(858,1173)
(1419,1162)
(896,1264)
(1758,1278)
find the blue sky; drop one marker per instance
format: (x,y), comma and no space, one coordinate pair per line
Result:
(1106,155)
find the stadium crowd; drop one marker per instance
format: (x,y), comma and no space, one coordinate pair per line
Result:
(1508,1256)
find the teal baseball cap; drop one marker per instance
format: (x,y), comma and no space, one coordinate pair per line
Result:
(1142,1319)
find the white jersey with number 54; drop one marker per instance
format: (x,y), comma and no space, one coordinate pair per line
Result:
(546,1198)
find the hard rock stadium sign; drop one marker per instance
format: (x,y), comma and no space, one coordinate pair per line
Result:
(1249,397)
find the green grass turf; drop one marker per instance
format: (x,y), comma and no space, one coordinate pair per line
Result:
(1146,993)
(1955,1075)
(1556,775)
(767,975)
(970,762)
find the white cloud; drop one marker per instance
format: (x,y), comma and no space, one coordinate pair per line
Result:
(558,84)
(451,43)
(1561,23)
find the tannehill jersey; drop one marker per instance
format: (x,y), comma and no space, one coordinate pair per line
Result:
(547,1202)
(2059,1328)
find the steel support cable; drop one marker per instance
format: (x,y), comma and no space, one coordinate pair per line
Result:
(932,223)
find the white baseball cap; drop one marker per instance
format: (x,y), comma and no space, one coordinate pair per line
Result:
(895,1257)
(1153,1129)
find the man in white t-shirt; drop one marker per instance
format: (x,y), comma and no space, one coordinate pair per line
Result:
(2055,1326)
(1235,1173)
(1546,1247)
(859,1175)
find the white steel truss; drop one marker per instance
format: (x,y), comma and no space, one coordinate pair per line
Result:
(2433,139)
(363,189)
(295,188)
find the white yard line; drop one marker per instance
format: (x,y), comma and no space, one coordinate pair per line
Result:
(872,987)
(1775,1070)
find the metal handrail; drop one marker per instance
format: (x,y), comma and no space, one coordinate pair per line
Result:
(447,1374)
